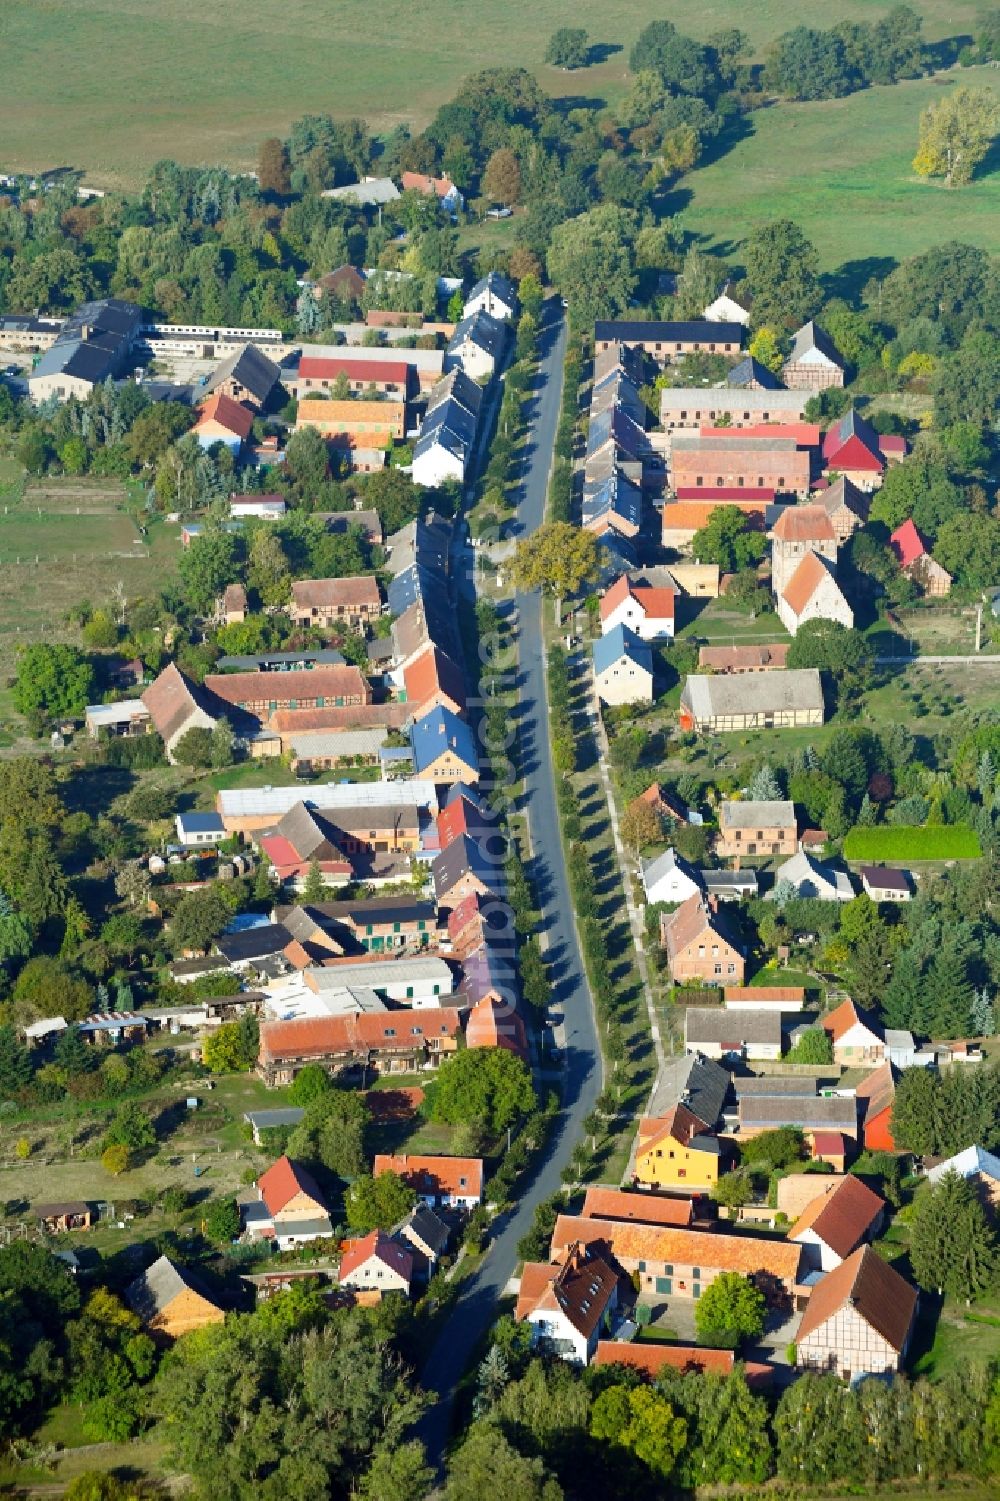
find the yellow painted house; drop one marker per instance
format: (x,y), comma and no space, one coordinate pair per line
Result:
(677,1151)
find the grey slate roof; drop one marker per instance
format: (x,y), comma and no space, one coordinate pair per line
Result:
(426,1226)
(715,696)
(810,336)
(251,368)
(750,370)
(695,1081)
(708,1024)
(827,1113)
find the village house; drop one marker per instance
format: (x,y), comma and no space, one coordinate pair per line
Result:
(376,1263)
(175,705)
(222,420)
(749,374)
(612,506)
(682,519)
(764,701)
(355,423)
(740,659)
(976,1166)
(444,748)
(476,346)
(382,377)
(721,462)
(781,997)
(171,1300)
(432,680)
(261,693)
(669,878)
(837,1223)
(692,407)
(466,868)
(385,1043)
(603,1202)
(715,1032)
(668,342)
(448,430)
(93,345)
(676,1152)
(247,376)
(568,1303)
(426,1238)
(911,553)
(623,668)
(494,294)
(328,603)
(699,946)
(345,284)
(648,612)
(814,363)
(65,1218)
(846,505)
(884,884)
(854,449)
(292,1210)
(858,1320)
(732,305)
(195,829)
(810,1113)
(854,1038)
(875,1097)
(441,188)
(379,924)
(749,827)
(463,813)
(439,1181)
(811,880)
(675,1263)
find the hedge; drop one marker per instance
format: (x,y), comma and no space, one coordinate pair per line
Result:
(933,842)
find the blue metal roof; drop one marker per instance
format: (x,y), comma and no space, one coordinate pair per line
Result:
(618,643)
(438,731)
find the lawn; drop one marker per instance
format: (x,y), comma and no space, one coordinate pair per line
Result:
(938,842)
(841,169)
(958,1335)
(205,84)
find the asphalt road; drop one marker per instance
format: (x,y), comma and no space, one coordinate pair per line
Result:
(475,1309)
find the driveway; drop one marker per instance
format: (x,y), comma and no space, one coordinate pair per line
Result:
(476,1307)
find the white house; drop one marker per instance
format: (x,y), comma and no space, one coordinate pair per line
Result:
(717,1033)
(669,878)
(812,593)
(448,431)
(194,829)
(454,1182)
(647,611)
(623,668)
(883,884)
(810,878)
(568,1303)
(493,294)
(835,1224)
(418,980)
(376,1263)
(727,308)
(475,346)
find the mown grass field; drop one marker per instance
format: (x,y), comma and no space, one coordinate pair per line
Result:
(841,169)
(113,85)
(942,842)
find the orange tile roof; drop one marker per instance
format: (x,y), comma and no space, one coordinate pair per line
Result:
(350,717)
(376,1243)
(875,1290)
(493,1024)
(808,523)
(765,993)
(439,1175)
(842,1020)
(652,1359)
(804,582)
(581,1289)
(692,515)
(728,658)
(603,1203)
(619,591)
(630,1242)
(842,1218)
(282,1181)
(433,672)
(805,434)
(655,603)
(688,921)
(345,681)
(333,1036)
(227,413)
(679,1123)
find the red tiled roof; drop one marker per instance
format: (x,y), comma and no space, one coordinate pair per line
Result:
(420,182)
(171,700)
(311,367)
(875,1290)
(842,1020)
(805,434)
(461,1176)
(351,717)
(494,1024)
(460,817)
(828,1144)
(764,993)
(308,594)
(747,497)
(907,544)
(804,582)
(729,658)
(376,1243)
(433,672)
(679,1123)
(853,455)
(655,603)
(652,1359)
(581,1288)
(227,413)
(619,591)
(806,523)
(282,1181)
